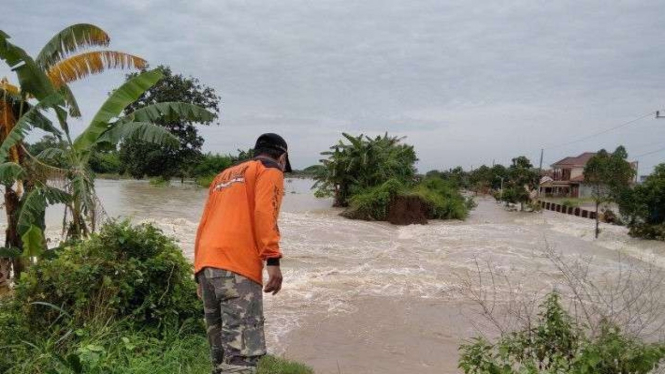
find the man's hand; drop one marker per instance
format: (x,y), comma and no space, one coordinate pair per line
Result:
(198,291)
(274,280)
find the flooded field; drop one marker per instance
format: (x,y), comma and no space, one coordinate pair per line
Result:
(363,297)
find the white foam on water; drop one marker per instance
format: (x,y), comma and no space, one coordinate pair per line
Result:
(612,237)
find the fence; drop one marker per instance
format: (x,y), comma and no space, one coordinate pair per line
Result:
(560,208)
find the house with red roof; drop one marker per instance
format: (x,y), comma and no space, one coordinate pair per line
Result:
(566,179)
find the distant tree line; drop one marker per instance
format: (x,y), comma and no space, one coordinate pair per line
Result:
(512,184)
(609,175)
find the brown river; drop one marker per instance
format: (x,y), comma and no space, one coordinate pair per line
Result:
(364,297)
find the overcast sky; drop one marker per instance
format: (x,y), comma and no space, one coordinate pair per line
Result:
(467,83)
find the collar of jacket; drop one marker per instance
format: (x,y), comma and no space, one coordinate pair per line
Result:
(268,162)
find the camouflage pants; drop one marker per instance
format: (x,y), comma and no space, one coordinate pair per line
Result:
(234,319)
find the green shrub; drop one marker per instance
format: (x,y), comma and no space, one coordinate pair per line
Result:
(160,181)
(444,199)
(121,302)
(106,163)
(211,164)
(643,208)
(372,204)
(570,203)
(556,344)
(534,207)
(125,271)
(205,181)
(471,203)
(647,231)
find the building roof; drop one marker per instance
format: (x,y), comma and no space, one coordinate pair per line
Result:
(579,161)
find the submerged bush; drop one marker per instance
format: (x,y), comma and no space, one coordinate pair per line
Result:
(160,181)
(646,231)
(556,344)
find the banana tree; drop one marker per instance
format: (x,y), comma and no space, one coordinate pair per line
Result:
(25,211)
(58,63)
(64,59)
(106,129)
(362,163)
(17,115)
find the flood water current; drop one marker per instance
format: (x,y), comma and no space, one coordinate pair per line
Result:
(366,297)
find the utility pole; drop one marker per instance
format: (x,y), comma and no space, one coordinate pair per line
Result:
(540,168)
(540,172)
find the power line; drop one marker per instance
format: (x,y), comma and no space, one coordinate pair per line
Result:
(624,124)
(650,153)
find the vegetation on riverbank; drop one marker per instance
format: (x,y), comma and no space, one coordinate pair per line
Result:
(558,343)
(122,301)
(609,176)
(373,177)
(119,301)
(510,185)
(643,207)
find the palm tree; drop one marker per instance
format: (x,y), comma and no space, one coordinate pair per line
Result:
(57,64)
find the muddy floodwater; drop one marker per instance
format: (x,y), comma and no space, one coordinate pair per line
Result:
(363,297)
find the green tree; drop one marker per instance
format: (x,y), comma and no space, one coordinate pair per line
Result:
(609,175)
(363,163)
(457,176)
(43,80)
(644,206)
(480,179)
(498,171)
(140,158)
(521,179)
(106,162)
(108,128)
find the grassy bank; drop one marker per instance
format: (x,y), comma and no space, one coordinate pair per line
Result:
(440,200)
(122,301)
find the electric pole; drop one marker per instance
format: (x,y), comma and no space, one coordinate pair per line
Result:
(540,168)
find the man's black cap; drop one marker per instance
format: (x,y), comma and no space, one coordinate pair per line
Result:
(275,142)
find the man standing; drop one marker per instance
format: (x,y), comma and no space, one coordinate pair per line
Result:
(237,234)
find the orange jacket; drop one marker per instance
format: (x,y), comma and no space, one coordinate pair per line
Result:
(238,230)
